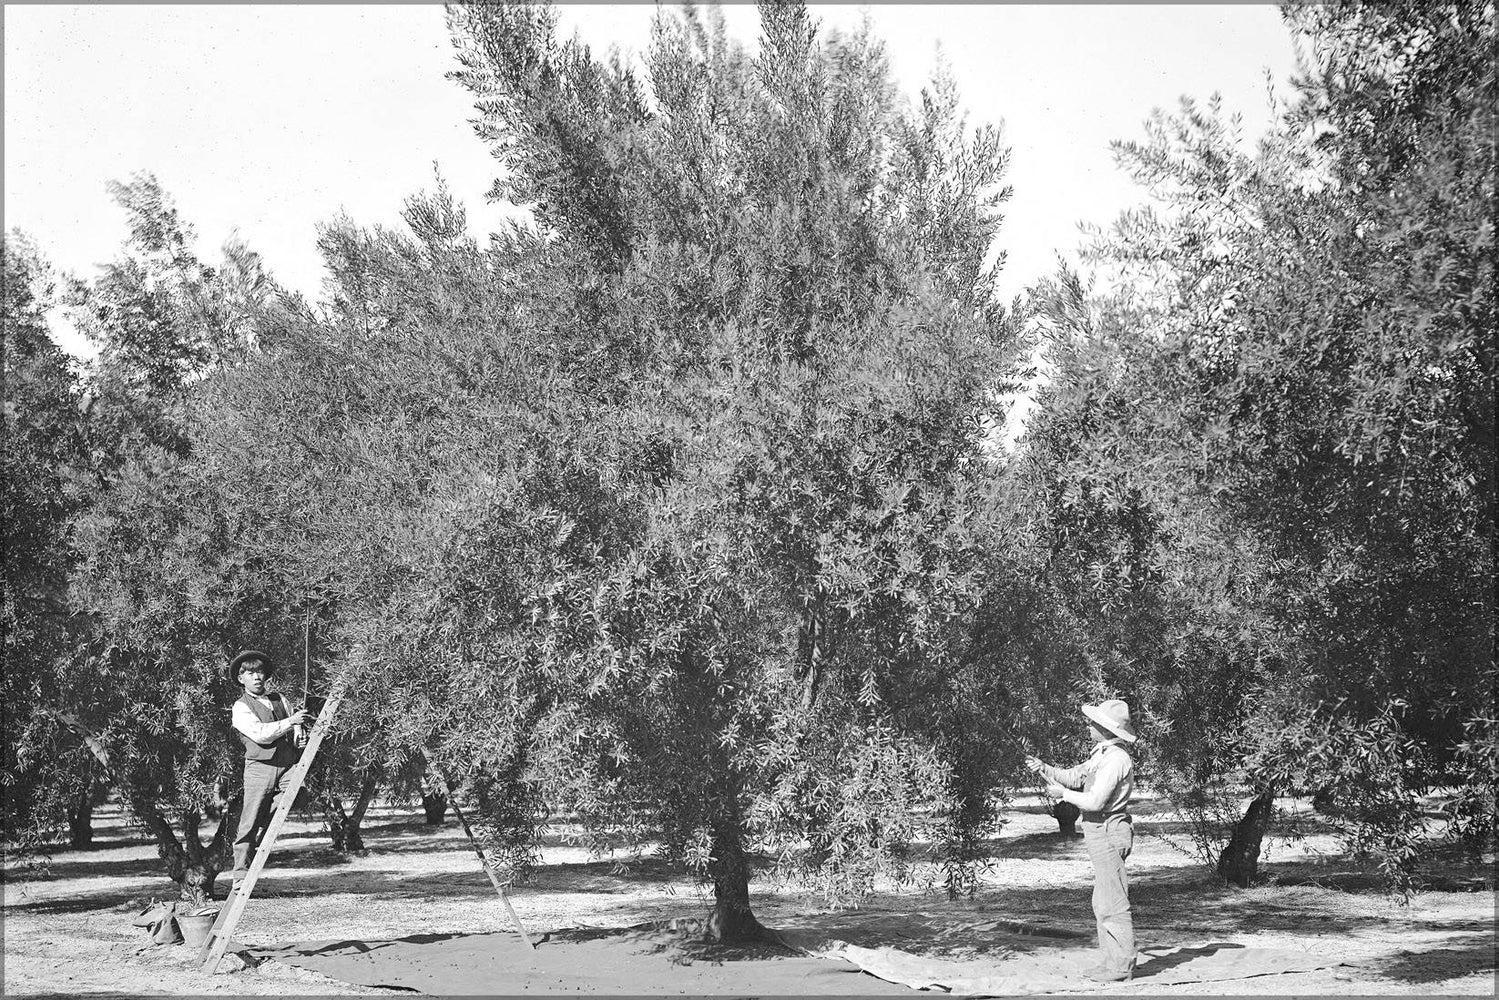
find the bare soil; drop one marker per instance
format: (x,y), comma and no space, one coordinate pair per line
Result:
(70,932)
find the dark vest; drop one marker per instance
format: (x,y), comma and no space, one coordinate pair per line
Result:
(283,752)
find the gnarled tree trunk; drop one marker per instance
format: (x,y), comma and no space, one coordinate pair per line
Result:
(1240,861)
(367,791)
(344,827)
(192,864)
(337,820)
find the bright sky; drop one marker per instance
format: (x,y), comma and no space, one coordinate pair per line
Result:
(268,119)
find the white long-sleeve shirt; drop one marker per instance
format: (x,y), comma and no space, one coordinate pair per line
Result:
(1101,784)
(264,733)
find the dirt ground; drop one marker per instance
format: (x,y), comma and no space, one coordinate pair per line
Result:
(70,933)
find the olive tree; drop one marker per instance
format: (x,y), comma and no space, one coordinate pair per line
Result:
(732,539)
(1293,356)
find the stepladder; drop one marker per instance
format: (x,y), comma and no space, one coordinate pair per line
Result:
(211,953)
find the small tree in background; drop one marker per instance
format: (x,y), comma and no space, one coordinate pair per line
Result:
(48,773)
(160,600)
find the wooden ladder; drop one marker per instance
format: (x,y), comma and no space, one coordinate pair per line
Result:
(212,951)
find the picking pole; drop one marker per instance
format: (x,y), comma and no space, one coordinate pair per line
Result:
(306,657)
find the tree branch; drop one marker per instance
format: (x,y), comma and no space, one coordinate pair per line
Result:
(92,740)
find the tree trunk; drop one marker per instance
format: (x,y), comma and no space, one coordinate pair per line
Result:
(343,827)
(338,821)
(81,818)
(1240,861)
(193,865)
(353,835)
(731,918)
(1066,815)
(435,806)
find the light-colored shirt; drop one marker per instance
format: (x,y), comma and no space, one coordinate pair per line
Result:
(264,733)
(1101,784)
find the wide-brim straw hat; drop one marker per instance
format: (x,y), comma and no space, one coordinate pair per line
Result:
(250,654)
(1112,715)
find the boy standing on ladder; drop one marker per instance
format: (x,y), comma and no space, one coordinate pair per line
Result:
(1101,787)
(272,736)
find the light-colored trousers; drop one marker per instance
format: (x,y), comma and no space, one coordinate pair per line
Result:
(264,784)
(1109,843)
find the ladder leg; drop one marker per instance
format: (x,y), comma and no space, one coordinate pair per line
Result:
(483,861)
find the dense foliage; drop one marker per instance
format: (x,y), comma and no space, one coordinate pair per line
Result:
(46,768)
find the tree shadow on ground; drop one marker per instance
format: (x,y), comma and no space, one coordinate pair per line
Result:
(116,897)
(380,883)
(92,868)
(123,838)
(364,947)
(1462,956)
(1164,963)
(1050,844)
(414,835)
(1162,828)
(1178,906)
(595,877)
(1360,882)
(900,929)
(385,884)
(290,848)
(603,875)
(318,856)
(424,845)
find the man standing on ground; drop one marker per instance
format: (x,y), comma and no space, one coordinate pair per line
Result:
(267,725)
(1101,787)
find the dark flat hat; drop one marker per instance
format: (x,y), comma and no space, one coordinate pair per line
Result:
(250,654)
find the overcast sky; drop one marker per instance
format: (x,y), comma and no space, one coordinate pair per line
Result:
(270,119)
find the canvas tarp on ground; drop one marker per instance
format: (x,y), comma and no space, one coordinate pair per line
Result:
(1050,973)
(633,963)
(1000,957)
(987,958)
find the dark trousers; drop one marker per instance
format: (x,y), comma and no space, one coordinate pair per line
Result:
(264,784)
(1109,843)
